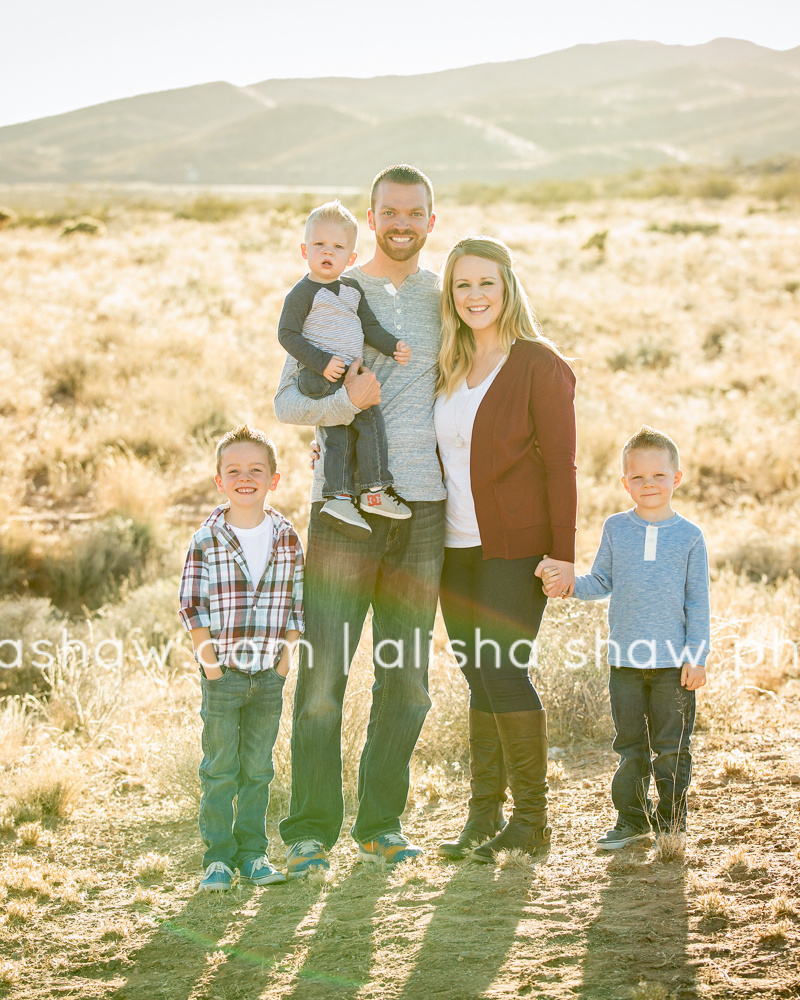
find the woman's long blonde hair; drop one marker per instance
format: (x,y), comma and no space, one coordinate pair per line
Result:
(516,320)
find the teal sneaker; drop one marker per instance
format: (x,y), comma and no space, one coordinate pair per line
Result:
(390,848)
(306,856)
(217,878)
(258,871)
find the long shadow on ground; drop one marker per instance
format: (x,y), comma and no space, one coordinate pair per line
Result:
(640,932)
(215,933)
(470,934)
(329,954)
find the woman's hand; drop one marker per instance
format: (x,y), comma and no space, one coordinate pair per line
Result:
(558,577)
(313,453)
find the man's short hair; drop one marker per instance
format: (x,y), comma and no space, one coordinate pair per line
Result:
(245,434)
(332,211)
(649,439)
(402,173)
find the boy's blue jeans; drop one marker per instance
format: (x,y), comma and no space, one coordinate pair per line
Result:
(396,570)
(356,454)
(241,713)
(653,715)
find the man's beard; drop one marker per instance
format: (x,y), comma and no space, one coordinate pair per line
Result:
(400,253)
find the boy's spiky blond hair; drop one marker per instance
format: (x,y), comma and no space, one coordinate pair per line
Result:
(332,211)
(647,439)
(245,434)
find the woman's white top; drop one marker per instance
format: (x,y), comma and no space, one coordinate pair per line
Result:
(454,419)
(257,545)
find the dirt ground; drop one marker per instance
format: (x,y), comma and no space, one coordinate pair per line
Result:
(724,921)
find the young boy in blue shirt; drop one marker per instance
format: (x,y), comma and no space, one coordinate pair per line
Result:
(653,564)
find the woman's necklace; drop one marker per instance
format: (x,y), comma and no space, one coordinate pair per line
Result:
(494,360)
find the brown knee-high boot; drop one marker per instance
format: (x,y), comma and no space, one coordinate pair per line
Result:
(523,736)
(487,785)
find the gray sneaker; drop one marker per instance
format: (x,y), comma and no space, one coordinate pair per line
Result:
(620,836)
(344,516)
(384,502)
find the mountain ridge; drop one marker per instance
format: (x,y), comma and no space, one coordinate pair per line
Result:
(588,109)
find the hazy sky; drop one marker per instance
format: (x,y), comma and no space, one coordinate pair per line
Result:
(60,55)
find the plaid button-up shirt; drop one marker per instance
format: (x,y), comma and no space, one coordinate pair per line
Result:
(247,620)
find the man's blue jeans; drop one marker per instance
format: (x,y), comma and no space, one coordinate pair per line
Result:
(397,571)
(653,714)
(241,713)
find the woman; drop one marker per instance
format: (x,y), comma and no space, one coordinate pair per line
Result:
(505,428)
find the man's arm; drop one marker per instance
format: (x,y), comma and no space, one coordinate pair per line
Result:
(360,390)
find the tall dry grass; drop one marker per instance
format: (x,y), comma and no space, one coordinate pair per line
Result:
(126,353)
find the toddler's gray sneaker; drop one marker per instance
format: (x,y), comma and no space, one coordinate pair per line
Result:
(344,516)
(384,502)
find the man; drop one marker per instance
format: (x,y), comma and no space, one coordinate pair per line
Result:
(396,569)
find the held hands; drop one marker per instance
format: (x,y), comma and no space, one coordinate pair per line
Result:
(558,577)
(362,387)
(692,677)
(334,369)
(403,353)
(313,453)
(550,578)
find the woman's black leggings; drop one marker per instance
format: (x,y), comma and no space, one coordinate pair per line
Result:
(493,609)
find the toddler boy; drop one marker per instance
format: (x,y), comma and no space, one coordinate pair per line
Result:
(654,565)
(323,325)
(241,600)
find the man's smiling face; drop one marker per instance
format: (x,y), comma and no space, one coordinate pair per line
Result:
(401,219)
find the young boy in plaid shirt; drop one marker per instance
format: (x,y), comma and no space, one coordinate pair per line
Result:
(241,600)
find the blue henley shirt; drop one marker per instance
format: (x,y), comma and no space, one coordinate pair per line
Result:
(657,575)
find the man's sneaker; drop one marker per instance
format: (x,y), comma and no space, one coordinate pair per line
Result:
(259,871)
(620,836)
(306,856)
(391,848)
(217,878)
(344,516)
(384,502)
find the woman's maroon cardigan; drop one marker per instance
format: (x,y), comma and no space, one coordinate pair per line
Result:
(522,461)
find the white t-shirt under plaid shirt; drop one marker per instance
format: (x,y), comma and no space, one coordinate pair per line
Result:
(247,619)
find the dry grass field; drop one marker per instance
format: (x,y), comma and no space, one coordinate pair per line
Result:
(124,353)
